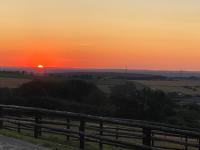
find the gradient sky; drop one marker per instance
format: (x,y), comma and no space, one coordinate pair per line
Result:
(139,34)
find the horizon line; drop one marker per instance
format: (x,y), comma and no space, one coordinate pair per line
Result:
(103,68)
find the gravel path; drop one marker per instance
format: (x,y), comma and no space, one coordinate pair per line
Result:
(7,143)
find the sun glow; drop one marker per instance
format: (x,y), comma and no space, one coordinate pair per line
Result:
(40,66)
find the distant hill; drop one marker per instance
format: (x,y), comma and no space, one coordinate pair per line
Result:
(124,71)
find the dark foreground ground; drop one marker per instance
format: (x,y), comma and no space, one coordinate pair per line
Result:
(7,143)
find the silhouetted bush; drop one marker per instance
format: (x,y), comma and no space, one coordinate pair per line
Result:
(144,103)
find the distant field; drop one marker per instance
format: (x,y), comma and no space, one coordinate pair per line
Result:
(12,82)
(106,84)
(185,86)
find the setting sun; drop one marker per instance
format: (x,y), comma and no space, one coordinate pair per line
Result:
(40,66)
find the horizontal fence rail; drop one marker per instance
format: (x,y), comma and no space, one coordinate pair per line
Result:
(115,132)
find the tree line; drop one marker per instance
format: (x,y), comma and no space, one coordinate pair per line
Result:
(124,101)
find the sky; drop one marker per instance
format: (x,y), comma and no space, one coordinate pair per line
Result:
(137,34)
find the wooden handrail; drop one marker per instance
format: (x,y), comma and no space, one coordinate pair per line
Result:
(166,128)
(148,132)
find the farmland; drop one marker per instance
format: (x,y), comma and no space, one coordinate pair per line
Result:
(12,79)
(184,86)
(12,82)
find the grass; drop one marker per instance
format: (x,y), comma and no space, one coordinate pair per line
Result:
(54,142)
(50,143)
(58,142)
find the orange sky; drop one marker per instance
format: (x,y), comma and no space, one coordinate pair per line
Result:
(139,34)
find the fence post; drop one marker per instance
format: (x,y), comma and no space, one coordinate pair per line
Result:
(101,134)
(186,142)
(68,127)
(82,134)
(147,136)
(18,127)
(152,140)
(40,121)
(117,133)
(37,129)
(199,143)
(1,116)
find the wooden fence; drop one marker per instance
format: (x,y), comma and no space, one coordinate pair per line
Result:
(121,133)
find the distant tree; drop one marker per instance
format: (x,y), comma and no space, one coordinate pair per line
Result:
(124,98)
(74,90)
(131,102)
(36,88)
